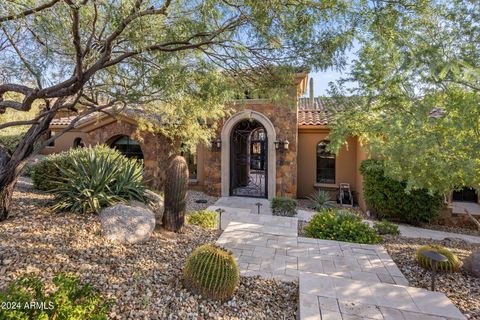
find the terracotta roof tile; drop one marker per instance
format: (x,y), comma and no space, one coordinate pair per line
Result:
(311,117)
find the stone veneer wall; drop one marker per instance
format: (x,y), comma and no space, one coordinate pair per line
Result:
(156,149)
(284,119)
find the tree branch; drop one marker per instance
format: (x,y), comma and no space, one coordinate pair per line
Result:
(29,11)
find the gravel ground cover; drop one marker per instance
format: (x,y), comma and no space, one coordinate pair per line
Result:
(194,195)
(438,227)
(460,287)
(144,279)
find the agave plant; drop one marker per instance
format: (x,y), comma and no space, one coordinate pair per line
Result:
(97,181)
(321,200)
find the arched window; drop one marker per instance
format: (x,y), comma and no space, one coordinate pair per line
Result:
(78,143)
(128,147)
(325,163)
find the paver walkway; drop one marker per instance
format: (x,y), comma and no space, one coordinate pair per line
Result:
(337,280)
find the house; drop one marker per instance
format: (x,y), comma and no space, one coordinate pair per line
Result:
(263,149)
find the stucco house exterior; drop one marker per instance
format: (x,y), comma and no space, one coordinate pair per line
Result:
(262,149)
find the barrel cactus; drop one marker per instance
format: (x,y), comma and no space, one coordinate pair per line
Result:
(452,265)
(212,272)
(175,194)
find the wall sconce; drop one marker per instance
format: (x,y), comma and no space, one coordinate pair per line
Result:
(216,144)
(282,145)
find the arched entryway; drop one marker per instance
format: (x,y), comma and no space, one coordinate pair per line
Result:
(127,146)
(248,155)
(248,160)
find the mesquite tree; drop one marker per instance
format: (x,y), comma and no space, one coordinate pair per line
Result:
(88,56)
(418,76)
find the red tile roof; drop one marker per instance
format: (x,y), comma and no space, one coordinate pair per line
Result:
(311,117)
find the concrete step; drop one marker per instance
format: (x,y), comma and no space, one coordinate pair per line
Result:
(325,296)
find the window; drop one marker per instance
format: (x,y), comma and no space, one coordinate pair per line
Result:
(325,163)
(49,135)
(128,147)
(78,143)
(192,164)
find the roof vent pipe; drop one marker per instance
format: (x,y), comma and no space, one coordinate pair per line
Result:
(311,102)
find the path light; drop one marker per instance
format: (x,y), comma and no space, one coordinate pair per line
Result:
(220,211)
(258,204)
(435,257)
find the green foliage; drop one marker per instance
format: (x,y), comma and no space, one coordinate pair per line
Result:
(69,300)
(46,171)
(452,265)
(176,185)
(341,225)
(203,218)
(390,199)
(212,272)
(417,72)
(321,200)
(284,206)
(386,227)
(97,180)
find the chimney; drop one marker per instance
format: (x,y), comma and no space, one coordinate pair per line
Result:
(312,106)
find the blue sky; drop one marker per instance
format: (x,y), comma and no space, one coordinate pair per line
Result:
(322,78)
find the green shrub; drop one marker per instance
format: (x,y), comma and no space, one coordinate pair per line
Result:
(46,171)
(69,300)
(341,225)
(452,265)
(386,227)
(387,198)
(212,272)
(321,200)
(203,218)
(284,206)
(98,180)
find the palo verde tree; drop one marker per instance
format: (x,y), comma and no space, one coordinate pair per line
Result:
(417,104)
(170,55)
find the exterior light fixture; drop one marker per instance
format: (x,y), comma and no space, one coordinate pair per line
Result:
(216,144)
(282,145)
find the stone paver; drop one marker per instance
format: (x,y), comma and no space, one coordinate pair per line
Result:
(337,280)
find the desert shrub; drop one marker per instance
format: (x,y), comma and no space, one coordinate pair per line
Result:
(69,300)
(97,180)
(203,218)
(212,272)
(284,206)
(386,227)
(321,200)
(387,198)
(46,171)
(341,225)
(452,265)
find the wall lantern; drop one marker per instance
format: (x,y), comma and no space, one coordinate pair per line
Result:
(216,144)
(282,145)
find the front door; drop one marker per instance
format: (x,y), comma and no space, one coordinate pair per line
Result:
(248,160)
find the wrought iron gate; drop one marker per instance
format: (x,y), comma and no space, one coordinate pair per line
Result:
(248,160)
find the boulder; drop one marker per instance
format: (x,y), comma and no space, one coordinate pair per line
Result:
(127,223)
(472,264)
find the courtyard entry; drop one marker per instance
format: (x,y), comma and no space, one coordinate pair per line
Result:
(248,160)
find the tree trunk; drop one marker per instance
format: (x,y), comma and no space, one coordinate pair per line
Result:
(11,165)
(6,199)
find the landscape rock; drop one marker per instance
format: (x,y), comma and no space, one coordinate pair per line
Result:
(127,224)
(472,264)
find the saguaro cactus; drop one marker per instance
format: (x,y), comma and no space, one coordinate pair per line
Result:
(175,194)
